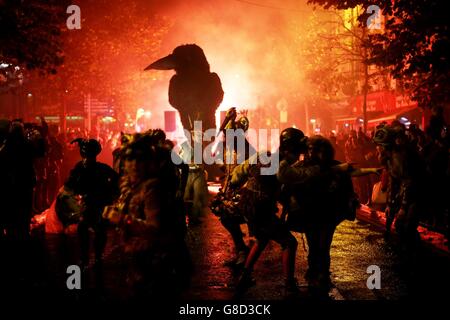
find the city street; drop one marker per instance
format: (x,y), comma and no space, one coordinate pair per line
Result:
(356,246)
(127,128)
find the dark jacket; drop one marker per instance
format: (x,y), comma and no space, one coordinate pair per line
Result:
(97,184)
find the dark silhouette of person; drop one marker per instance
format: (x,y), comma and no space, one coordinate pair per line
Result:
(5,178)
(194,91)
(232,222)
(21,153)
(97,183)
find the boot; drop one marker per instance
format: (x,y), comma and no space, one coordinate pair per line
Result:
(241,256)
(291,287)
(245,282)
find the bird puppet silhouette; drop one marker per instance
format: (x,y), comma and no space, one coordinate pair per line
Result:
(194,91)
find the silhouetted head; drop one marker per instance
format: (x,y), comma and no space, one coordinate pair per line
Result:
(320,151)
(384,137)
(141,160)
(292,140)
(184,59)
(158,136)
(4,128)
(89,149)
(17,130)
(125,139)
(242,123)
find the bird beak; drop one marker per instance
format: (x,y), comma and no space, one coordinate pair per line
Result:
(166,63)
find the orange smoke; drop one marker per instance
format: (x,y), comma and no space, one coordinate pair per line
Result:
(252,49)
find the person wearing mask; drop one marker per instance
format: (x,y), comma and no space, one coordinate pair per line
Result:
(258,204)
(97,184)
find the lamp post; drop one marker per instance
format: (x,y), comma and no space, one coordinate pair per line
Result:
(64,117)
(30,105)
(313,123)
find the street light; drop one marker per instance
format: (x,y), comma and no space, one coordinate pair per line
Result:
(313,123)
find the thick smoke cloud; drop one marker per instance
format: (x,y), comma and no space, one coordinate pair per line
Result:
(250,45)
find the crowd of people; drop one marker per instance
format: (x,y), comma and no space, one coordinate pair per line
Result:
(428,148)
(320,182)
(30,166)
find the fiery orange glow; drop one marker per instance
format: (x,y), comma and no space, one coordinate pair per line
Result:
(251,48)
(256,48)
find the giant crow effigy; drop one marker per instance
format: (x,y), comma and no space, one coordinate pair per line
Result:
(194,91)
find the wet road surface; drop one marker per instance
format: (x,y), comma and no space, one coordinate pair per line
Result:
(356,246)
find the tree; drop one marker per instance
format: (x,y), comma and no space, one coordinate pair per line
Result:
(30,38)
(414,43)
(106,57)
(334,57)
